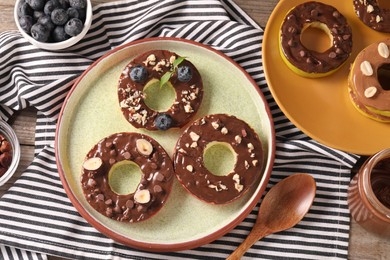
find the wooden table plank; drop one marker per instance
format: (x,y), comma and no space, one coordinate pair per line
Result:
(363,245)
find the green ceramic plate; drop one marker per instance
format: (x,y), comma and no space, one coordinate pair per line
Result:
(91,112)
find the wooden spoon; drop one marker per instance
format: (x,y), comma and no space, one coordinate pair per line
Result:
(282,208)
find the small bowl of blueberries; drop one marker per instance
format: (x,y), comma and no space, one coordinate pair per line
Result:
(53,24)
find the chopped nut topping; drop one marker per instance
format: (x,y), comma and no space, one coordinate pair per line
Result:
(215,125)
(224,131)
(202,121)
(172,59)
(194,137)
(188,108)
(142,196)
(370,9)
(189,168)
(250,146)
(187,145)
(181,150)
(378,19)
(252,155)
(194,145)
(144,147)
(246,165)
(238,139)
(238,187)
(254,162)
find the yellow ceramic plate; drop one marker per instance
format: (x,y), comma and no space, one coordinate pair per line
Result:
(321,107)
(91,112)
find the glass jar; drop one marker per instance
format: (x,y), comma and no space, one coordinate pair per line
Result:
(9,134)
(369,194)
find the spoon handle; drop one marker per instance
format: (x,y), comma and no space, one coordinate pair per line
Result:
(256,234)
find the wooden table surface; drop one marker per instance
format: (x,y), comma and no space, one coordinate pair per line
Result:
(362,244)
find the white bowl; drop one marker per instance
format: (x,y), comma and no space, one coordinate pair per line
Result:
(9,134)
(57,45)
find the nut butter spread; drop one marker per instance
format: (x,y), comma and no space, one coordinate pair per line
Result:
(311,61)
(189,164)
(153,189)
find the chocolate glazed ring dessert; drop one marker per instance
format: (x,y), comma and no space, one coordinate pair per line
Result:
(308,63)
(368,81)
(372,15)
(189,162)
(153,189)
(152,66)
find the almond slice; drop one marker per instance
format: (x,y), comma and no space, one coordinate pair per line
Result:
(92,164)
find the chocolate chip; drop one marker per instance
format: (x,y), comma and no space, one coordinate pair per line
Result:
(159,176)
(91,182)
(291,16)
(127,155)
(112,161)
(302,53)
(109,212)
(108,202)
(153,166)
(334,30)
(339,51)
(100,197)
(113,152)
(129,204)
(291,43)
(346,36)
(244,133)
(157,189)
(314,12)
(332,55)
(109,144)
(309,60)
(336,14)
(118,210)
(141,208)
(292,30)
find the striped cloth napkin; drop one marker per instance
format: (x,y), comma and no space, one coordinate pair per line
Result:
(36,214)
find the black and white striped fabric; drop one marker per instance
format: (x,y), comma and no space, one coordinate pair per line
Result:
(37,216)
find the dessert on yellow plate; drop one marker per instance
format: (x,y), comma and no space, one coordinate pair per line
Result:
(308,63)
(369,81)
(372,15)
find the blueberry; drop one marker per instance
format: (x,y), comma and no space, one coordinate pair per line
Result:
(40,32)
(138,73)
(63,3)
(37,5)
(46,21)
(26,23)
(82,14)
(73,13)
(163,121)
(59,16)
(50,6)
(37,15)
(24,9)
(59,34)
(78,3)
(184,73)
(73,27)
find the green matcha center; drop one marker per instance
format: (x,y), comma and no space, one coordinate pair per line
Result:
(124,177)
(159,98)
(219,158)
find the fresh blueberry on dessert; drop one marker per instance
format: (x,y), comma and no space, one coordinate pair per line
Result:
(163,121)
(138,73)
(184,74)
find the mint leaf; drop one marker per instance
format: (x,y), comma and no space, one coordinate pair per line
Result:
(177,62)
(165,78)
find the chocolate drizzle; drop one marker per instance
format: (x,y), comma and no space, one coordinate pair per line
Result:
(372,15)
(157,178)
(132,98)
(305,59)
(189,164)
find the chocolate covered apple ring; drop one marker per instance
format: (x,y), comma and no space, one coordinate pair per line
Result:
(189,163)
(368,81)
(153,189)
(372,15)
(308,63)
(152,66)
